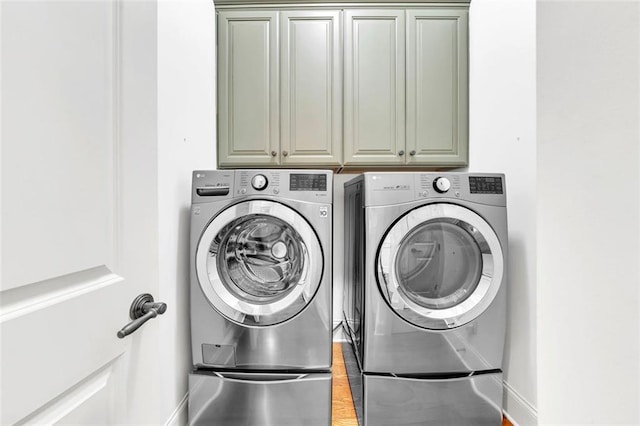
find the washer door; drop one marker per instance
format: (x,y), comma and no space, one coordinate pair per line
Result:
(440,266)
(259,263)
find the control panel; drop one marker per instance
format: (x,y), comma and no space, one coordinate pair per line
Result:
(304,185)
(301,185)
(387,188)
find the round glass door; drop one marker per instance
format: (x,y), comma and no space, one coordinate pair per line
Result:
(259,263)
(440,266)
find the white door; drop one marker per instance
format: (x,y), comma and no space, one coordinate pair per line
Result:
(75,243)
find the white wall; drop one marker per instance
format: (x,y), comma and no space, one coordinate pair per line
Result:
(502,138)
(588,212)
(186,141)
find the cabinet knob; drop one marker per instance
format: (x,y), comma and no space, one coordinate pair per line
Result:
(401,153)
(285,153)
(412,153)
(274,153)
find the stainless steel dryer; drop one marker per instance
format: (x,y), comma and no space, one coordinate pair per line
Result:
(261,320)
(425,296)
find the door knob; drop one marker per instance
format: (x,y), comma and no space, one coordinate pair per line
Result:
(274,153)
(285,153)
(412,153)
(401,153)
(142,309)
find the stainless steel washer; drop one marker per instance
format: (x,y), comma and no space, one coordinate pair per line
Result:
(261,313)
(425,295)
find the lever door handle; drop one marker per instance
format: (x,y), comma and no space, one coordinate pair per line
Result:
(142,310)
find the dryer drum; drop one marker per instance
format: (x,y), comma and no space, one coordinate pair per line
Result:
(438,264)
(259,262)
(260,257)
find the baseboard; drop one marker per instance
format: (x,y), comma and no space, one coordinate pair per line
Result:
(338,332)
(180,414)
(517,409)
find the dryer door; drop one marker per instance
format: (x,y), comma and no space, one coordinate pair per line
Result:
(259,263)
(440,266)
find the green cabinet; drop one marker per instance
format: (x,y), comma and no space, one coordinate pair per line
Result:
(437,87)
(248,98)
(279,88)
(374,87)
(309,86)
(406,87)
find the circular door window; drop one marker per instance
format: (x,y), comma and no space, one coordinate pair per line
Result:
(440,266)
(259,263)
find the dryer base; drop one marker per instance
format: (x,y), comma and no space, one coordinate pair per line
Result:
(259,399)
(382,400)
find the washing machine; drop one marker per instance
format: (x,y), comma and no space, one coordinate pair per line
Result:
(425,296)
(261,284)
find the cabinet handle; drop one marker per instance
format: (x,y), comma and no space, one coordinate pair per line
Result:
(401,153)
(274,153)
(412,153)
(285,153)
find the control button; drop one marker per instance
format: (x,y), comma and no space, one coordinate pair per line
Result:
(259,182)
(441,185)
(276,191)
(243,191)
(458,194)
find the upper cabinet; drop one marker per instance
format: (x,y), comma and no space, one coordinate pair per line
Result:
(374,87)
(305,86)
(406,87)
(248,119)
(437,87)
(279,88)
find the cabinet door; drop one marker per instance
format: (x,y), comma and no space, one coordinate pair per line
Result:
(437,87)
(248,122)
(311,109)
(374,87)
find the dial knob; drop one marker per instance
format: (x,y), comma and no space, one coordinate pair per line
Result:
(441,185)
(259,182)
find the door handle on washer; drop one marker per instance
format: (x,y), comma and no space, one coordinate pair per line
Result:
(142,310)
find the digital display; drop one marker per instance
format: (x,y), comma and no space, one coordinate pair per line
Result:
(485,185)
(307,182)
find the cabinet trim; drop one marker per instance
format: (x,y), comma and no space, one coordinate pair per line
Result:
(335,4)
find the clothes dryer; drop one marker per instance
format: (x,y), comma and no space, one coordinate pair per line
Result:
(425,295)
(261,320)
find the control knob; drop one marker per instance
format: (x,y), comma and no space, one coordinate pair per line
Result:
(441,185)
(259,182)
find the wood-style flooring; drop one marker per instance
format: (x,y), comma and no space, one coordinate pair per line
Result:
(344,413)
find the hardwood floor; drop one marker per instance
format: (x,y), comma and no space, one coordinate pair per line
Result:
(344,414)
